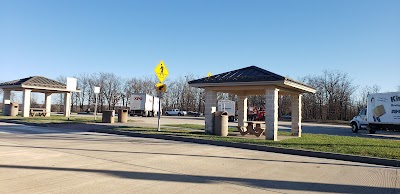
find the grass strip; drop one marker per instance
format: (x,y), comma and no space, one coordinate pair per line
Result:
(381,148)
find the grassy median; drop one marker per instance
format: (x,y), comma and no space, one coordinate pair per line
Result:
(381,148)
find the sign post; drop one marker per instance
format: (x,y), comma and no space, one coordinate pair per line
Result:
(161,73)
(159,94)
(96,92)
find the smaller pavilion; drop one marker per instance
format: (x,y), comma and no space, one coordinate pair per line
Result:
(36,84)
(253,80)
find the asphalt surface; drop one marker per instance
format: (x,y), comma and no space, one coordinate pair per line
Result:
(55,160)
(312,128)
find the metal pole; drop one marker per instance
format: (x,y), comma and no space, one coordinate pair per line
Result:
(159,111)
(95,108)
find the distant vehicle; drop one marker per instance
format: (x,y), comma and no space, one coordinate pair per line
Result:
(143,105)
(255,114)
(229,107)
(382,112)
(286,117)
(194,114)
(175,112)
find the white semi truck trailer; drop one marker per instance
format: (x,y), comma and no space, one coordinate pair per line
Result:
(143,105)
(382,112)
(229,107)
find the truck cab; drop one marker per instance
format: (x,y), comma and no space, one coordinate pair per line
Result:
(360,121)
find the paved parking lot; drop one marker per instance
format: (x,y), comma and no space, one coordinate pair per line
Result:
(52,160)
(313,128)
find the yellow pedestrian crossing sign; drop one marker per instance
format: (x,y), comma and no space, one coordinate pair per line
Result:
(161,71)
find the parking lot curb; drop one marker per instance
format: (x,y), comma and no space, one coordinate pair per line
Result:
(327,155)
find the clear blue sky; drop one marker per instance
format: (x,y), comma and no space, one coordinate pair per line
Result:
(293,38)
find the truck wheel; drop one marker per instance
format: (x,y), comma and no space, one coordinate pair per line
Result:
(231,118)
(354,127)
(166,114)
(371,131)
(179,114)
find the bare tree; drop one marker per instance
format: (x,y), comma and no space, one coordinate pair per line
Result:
(82,96)
(361,102)
(112,89)
(126,92)
(34,101)
(59,98)
(333,99)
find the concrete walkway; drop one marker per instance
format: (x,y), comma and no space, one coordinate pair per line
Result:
(53,160)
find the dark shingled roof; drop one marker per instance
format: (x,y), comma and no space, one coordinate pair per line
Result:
(247,74)
(36,81)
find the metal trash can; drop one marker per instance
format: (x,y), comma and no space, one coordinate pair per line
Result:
(221,123)
(123,115)
(108,116)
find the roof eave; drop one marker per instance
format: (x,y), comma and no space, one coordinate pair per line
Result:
(300,86)
(47,88)
(10,86)
(260,83)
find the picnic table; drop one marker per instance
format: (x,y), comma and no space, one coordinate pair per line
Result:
(39,111)
(253,130)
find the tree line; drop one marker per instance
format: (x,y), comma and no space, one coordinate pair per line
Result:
(337,98)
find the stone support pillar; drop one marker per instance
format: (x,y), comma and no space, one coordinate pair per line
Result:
(271,114)
(26,101)
(67,104)
(209,109)
(47,99)
(296,115)
(242,111)
(6,99)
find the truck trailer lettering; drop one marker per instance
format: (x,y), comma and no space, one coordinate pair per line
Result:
(395,98)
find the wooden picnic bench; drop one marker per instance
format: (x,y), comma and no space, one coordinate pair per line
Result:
(38,111)
(250,129)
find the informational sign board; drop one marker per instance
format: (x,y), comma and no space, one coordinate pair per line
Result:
(96,90)
(71,84)
(384,108)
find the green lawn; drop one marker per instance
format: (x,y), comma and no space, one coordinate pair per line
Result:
(381,148)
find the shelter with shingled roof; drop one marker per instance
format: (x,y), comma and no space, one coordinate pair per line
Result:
(249,81)
(36,84)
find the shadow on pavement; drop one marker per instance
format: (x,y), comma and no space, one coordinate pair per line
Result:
(191,155)
(250,182)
